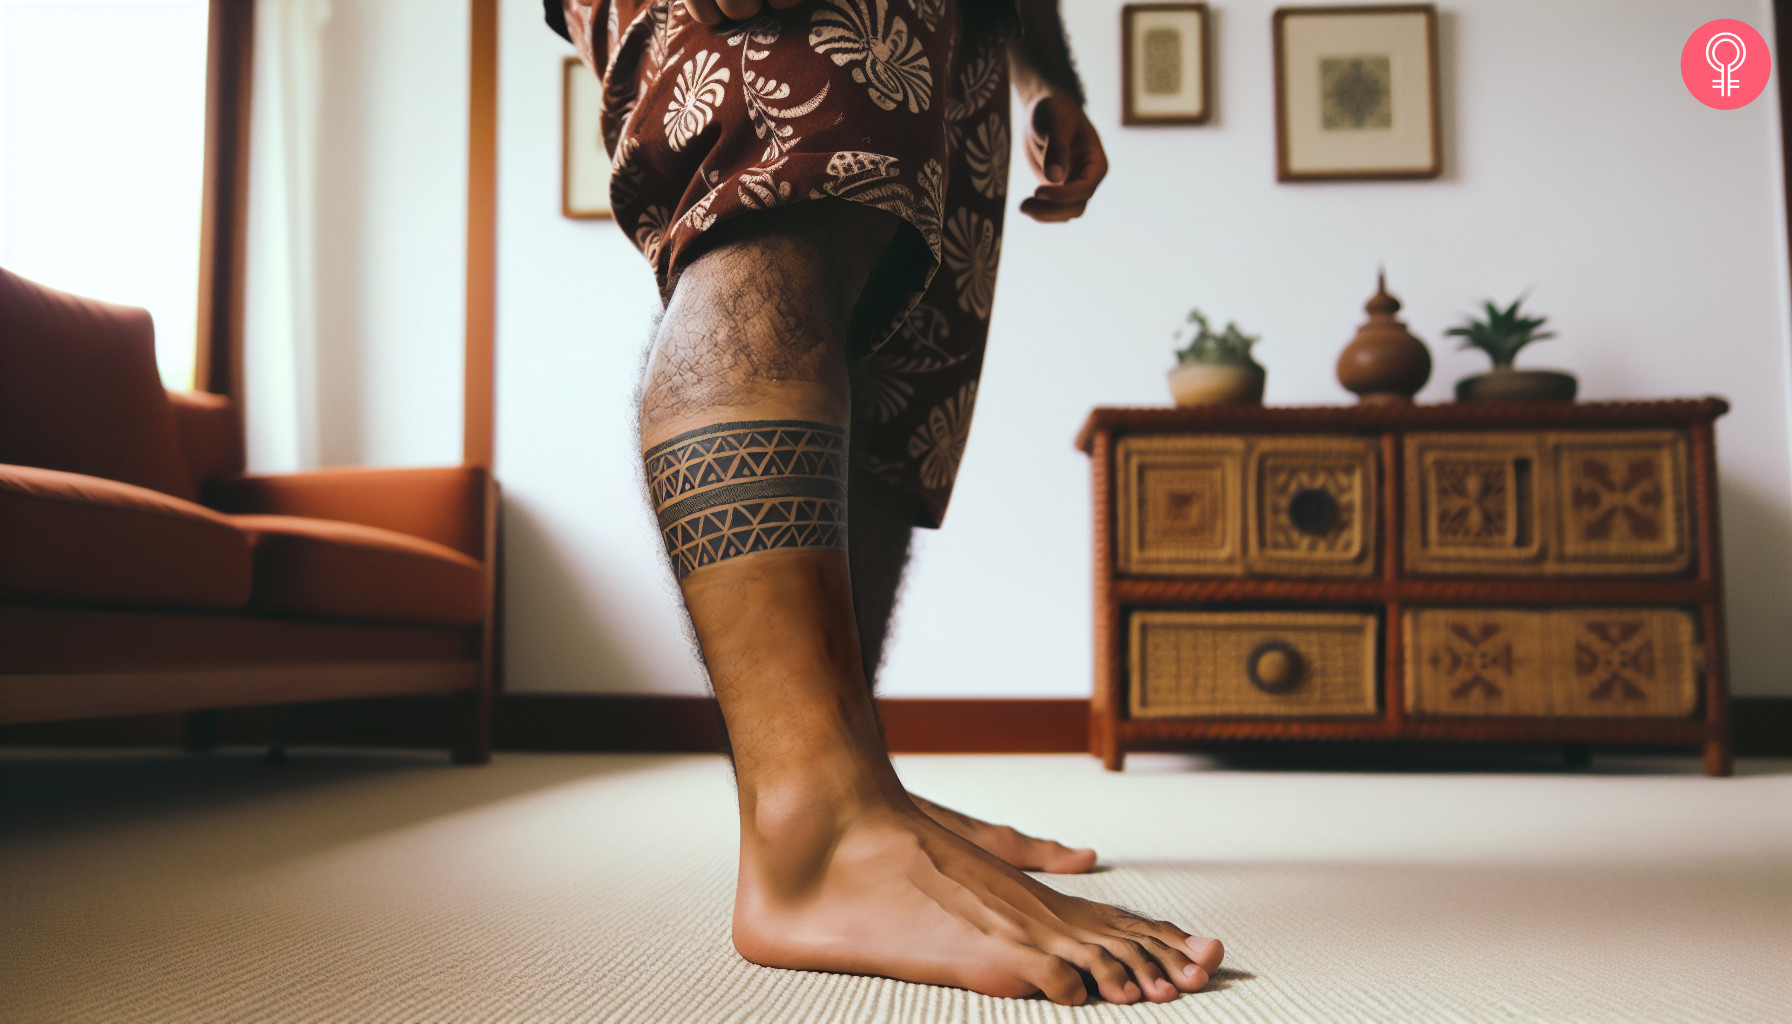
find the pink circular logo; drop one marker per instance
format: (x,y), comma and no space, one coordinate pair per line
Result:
(1725,64)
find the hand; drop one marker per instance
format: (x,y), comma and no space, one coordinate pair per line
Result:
(714,12)
(1065,153)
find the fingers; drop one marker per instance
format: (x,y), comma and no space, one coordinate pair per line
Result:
(784,5)
(739,9)
(704,11)
(1065,150)
(1050,126)
(1049,212)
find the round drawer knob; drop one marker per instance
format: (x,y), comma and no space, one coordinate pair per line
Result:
(1313,511)
(1275,667)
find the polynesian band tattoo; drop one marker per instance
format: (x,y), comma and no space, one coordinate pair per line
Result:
(736,488)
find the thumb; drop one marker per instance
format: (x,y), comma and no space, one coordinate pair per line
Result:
(1051,129)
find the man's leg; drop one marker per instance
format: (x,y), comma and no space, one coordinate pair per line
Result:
(881,527)
(839,870)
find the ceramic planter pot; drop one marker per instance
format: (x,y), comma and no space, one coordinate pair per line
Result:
(1216,383)
(1506,384)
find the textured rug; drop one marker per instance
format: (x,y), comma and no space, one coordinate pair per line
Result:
(367,888)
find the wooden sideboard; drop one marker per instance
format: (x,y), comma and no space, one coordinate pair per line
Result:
(1492,572)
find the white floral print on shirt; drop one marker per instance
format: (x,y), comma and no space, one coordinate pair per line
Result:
(701,86)
(889,61)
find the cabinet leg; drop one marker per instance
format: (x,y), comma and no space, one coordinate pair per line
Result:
(1717,758)
(1114,758)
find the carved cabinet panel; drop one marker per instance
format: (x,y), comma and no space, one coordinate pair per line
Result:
(1193,664)
(1560,503)
(1472,503)
(1179,500)
(1311,506)
(1612,662)
(1623,501)
(1268,506)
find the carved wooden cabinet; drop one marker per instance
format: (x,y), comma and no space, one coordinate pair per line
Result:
(1520,572)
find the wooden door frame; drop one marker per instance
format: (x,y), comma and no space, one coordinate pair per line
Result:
(477,440)
(224,209)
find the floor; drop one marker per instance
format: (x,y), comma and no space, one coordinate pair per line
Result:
(367,887)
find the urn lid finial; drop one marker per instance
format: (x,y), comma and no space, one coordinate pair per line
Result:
(1384,362)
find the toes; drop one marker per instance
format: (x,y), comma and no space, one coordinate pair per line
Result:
(1207,952)
(1182,972)
(1112,978)
(1030,854)
(1064,860)
(1055,979)
(1204,951)
(1144,967)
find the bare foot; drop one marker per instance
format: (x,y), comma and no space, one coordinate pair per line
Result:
(879,888)
(1011,845)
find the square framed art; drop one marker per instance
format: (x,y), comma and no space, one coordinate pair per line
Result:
(1165,56)
(1357,93)
(584,163)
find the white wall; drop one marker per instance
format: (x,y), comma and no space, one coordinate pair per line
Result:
(1649,227)
(392,229)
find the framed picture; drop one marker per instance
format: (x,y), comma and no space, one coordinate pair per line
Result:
(584,164)
(1164,53)
(1356,93)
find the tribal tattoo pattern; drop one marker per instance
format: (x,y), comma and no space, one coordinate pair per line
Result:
(737,488)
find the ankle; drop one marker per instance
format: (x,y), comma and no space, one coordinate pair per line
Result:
(819,801)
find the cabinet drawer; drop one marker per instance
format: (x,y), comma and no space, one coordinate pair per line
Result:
(1180,502)
(1473,504)
(1208,664)
(1599,663)
(1621,502)
(1312,506)
(1558,503)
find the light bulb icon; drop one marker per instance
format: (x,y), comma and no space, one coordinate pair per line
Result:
(1725,83)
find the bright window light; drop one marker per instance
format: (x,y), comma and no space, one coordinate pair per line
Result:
(102,146)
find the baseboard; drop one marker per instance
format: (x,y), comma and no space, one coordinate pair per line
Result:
(1760,726)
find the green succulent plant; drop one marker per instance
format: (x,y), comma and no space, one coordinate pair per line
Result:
(1201,345)
(1502,333)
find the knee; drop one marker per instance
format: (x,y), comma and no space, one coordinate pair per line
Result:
(800,269)
(769,301)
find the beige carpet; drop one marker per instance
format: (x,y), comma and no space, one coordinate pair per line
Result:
(367,888)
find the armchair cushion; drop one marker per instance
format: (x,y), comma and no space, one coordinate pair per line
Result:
(445,505)
(79,389)
(66,537)
(329,569)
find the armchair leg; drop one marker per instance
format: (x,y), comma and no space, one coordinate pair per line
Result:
(470,725)
(199,732)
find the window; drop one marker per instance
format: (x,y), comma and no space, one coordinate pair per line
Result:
(102,147)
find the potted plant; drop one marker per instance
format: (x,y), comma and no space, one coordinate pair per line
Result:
(1214,368)
(1501,335)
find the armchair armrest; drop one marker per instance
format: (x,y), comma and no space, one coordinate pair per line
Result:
(447,505)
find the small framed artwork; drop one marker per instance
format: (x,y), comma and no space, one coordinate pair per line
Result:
(1356,93)
(1164,51)
(584,163)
